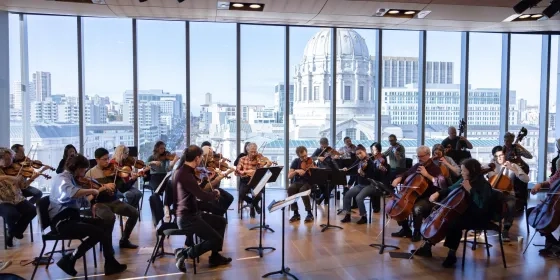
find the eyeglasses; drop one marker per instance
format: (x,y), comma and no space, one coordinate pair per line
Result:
(422,155)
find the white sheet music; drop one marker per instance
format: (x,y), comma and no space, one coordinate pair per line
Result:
(163,182)
(262,182)
(275,205)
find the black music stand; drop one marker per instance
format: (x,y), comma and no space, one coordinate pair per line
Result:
(322,176)
(259,174)
(384,192)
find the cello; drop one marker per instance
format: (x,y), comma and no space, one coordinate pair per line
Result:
(400,208)
(501,182)
(545,218)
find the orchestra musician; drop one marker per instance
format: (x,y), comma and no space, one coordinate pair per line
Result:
(324,156)
(107,203)
(160,163)
(513,172)
(452,140)
(220,206)
(422,207)
(66,198)
(368,168)
(29,191)
(439,157)
(208,227)
(513,153)
(17,212)
(299,175)
(477,213)
(348,151)
(126,184)
(69,151)
(396,155)
(552,245)
(555,164)
(246,169)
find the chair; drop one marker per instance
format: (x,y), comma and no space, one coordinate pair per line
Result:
(6,231)
(497,211)
(145,185)
(163,229)
(44,222)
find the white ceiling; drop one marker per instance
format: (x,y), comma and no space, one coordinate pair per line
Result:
(446,15)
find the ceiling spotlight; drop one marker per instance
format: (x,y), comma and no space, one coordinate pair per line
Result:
(551,10)
(254,6)
(238,5)
(524,5)
(409,12)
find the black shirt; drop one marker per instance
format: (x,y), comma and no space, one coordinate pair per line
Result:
(296,164)
(452,143)
(186,191)
(369,172)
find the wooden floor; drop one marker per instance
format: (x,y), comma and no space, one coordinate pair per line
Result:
(310,253)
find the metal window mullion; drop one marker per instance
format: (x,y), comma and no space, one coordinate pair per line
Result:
(464,79)
(543,108)
(135,81)
(422,87)
(378,82)
(187,84)
(504,87)
(238,89)
(334,85)
(24,76)
(5,78)
(286,101)
(81,84)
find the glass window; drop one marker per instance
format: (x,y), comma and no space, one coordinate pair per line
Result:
(553,116)
(214,88)
(109,108)
(263,92)
(347,94)
(161,83)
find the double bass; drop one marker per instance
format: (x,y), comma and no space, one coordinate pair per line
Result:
(458,153)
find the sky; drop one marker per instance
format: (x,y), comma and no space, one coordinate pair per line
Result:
(52,43)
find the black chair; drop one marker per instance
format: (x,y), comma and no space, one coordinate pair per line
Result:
(145,185)
(163,229)
(44,222)
(6,231)
(497,210)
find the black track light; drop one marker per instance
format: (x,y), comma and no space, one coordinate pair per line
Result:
(141,1)
(524,5)
(180,1)
(551,10)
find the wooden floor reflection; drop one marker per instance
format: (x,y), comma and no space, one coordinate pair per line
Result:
(310,254)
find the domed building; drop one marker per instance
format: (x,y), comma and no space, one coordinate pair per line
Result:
(312,86)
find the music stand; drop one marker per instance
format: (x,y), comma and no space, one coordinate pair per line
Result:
(255,180)
(384,192)
(322,176)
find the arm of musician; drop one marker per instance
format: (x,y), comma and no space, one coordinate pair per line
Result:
(387,152)
(523,152)
(444,192)
(240,169)
(189,184)
(520,173)
(467,143)
(370,170)
(452,165)
(399,152)
(315,154)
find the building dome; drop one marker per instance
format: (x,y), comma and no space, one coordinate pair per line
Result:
(350,43)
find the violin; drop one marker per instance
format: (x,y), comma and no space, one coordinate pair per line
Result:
(264,161)
(329,150)
(220,157)
(36,164)
(307,164)
(545,217)
(399,208)
(133,162)
(88,183)
(109,171)
(167,156)
(25,171)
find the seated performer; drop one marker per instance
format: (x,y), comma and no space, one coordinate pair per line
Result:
(66,198)
(396,155)
(513,171)
(477,213)
(29,191)
(422,207)
(367,169)
(440,159)
(107,204)
(17,212)
(160,164)
(552,245)
(324,156)
(125,185)
(221,205)
(246,169)
(454,145)
(208,227)
(300,182)
(69,151)
(348,151)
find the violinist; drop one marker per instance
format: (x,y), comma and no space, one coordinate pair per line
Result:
(125,185)
(348,151)
(299,175)
(66,198)
(107,203)
(69,151)
(422,207)
(324,156)
(514,173)
(16,211)
(396,155)
(160,164)
(242,154)
(477,213)
(367,169)
(440,159)
(246,169)
(552,245)
(30,191)
(221,205)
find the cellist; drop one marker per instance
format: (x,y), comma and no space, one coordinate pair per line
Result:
(480,193)
(551,243)
(300,175)
(422,207)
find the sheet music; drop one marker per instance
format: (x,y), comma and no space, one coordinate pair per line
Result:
(307,192)
(163,182)
(262,182)
(275,205)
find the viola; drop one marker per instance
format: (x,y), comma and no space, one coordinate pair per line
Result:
(25,171)
(400,208)
(88,183)
(545,217)
(109,171)
(167,156)
(329,150)
(36,164)
(307,164)
(264,161)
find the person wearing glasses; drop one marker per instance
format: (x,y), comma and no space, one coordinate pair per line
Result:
(395,155)
(422,208)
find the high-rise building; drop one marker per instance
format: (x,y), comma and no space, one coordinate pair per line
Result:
(16,97)
(279,101)
(42,83)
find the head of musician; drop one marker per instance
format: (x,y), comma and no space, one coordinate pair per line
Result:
(470,169)
(392,140)
(423,153)
(192,156)
(252,150)
(301,152)
(77,165)
(375,148)
(361,152)
(509,138)
(206,144)
(348,141)
(452,132)
(19,152)
(159,148)
(6,157)
(207,153)
(121,153)
(102,157)
(437,151)
(499,155)
(69,151)
(324,142)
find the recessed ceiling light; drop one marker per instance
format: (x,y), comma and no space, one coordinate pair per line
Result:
(393,12)
(238,5)
(524,16)
(254,6)
(409,12)
(536,16)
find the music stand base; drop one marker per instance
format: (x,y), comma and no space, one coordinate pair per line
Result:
(327,226)
(265,227)
(283,271)
(260,250)
(383,246)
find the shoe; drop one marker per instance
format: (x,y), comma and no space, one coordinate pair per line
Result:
(114,267)
(4,265)
(402,233)
(258,209)
(178,252)
(416,236)
(376,210)
(17,235)
(320,200)
(67,264)
(125,244)
(505,236)
(252,212)
(9,240)
(295,218)
(424,251)
(309,218)
(346,219)
(217,260)
(362,220)
(180,260)
(449,262)
(354,207)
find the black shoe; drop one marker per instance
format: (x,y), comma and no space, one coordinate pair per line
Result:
(252,212)
(125,244)
(376,210)
(309,217)
(402,233)
(320,200)
(67,264)
(180,260)
(218,259)
(362,220)
(416,236)
(424,251)
(505,236)
(9,240)
(114,267)
(354,207)
(17,235)
(346,219)
(295,218)
(449,261)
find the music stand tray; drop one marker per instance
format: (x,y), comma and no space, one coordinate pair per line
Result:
(323,176)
